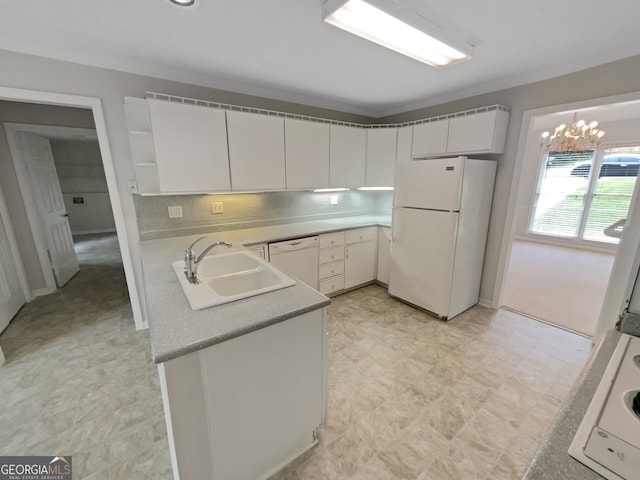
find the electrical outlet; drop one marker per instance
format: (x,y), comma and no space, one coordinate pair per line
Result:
(217,207)
(334,199)
(175,211)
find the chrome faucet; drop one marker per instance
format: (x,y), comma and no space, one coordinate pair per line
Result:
(191,262)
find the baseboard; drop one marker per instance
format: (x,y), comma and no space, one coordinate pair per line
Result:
(485,302)
(40,292)
(93,232)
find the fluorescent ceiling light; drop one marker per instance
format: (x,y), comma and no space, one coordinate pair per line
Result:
(184,3)
(374,24)
(321,190)
(375,188)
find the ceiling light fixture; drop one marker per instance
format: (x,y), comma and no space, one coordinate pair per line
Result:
(579,137)
(184,3)
(394,29)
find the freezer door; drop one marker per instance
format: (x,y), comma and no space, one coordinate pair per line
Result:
(422,253)
(433,184)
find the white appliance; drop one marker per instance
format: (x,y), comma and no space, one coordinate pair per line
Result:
(608,439)
(297,258)
(440,219)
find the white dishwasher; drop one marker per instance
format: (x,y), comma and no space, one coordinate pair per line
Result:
(298,258)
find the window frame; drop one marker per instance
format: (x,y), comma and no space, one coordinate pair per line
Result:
(578,239)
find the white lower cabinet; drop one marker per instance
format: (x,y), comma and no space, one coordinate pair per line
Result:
(331,260)
(244,408)
(360,256)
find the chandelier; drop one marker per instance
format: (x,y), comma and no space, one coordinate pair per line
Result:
(578,137)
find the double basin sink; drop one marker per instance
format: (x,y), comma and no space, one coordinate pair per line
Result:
(227,277)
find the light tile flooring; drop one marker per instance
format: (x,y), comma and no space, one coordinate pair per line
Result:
(411,397)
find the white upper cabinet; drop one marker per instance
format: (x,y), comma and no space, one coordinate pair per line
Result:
(191,147)
(478,133)
(483,132)
(256,151)
(381,156)
(347,156)
(306,153)
(405,139)
(430,138)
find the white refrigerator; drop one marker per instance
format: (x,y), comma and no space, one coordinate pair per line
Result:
(440,218)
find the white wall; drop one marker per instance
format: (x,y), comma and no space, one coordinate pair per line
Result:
(81,174)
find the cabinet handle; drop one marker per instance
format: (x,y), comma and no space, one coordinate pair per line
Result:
(346,253)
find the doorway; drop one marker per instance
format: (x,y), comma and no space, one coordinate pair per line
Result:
(94,107)
(62,182)
(560,264)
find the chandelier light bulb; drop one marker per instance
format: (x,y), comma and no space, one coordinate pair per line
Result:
(578,137)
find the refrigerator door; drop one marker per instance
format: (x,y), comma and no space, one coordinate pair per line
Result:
(433,184)
(422,254)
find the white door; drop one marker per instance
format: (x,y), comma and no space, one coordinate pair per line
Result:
(422,253)
(433,184)
(11,294)
(48,201)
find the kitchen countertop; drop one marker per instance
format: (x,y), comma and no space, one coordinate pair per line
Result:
(552,460)
(176,330)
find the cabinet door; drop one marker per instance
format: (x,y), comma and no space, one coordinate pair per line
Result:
(306,154)
(478,133)
(191,147)
(359,264)
(381,156)
(405,138)
(256,151)
(347,156)
(430,138)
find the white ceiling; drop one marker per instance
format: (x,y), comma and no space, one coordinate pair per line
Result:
(281,49)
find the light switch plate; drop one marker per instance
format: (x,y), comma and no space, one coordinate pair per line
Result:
(334,199)
(217,207)
(175,211)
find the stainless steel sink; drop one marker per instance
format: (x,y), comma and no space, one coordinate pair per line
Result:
(228,277)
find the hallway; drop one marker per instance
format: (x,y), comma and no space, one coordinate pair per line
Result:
(79,379)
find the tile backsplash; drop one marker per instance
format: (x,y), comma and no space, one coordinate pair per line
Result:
(250,210)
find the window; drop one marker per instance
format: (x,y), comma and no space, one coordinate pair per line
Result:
(574,202)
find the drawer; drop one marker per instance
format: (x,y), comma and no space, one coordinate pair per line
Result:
(331,255)
(361,235)
(332,284)
(331,270)
(332,240)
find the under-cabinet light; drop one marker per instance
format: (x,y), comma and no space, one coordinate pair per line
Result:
(369,22)
(321,190)
(375,188)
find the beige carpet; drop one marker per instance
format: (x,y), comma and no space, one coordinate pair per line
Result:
(559,285)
